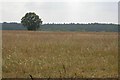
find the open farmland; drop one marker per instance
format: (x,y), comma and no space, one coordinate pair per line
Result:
(59,54)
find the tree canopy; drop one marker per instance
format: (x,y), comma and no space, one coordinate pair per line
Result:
(31,21)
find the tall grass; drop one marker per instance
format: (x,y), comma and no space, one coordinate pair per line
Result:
(59,54)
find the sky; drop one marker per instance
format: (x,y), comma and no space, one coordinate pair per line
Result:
(62,11)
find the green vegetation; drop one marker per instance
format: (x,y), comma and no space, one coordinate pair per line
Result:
(66,27)
(31,21)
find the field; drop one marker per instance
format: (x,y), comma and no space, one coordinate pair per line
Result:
(59,54)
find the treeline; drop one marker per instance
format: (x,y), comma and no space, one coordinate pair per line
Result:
(90,27)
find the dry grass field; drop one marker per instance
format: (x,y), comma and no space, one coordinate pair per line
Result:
(59,54)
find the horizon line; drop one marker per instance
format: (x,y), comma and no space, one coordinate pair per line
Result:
(70,22)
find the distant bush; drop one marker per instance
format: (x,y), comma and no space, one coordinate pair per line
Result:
(31,21)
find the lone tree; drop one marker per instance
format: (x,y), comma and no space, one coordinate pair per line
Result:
(31,21)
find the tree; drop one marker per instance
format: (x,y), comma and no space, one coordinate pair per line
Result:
(31,21)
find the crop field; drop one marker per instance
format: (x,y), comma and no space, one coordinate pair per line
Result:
(59,54)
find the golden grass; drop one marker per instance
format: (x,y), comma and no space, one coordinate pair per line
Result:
(59,54)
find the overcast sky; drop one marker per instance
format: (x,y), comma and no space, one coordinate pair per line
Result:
(62,11)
